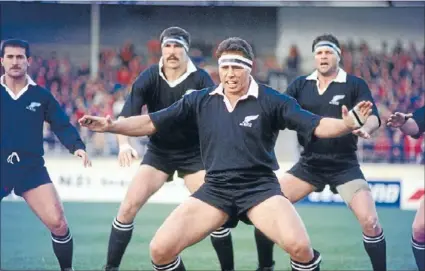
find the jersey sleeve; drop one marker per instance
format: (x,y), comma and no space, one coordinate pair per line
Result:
(205,80)
(293,87)
(136,99)
(419,117)
(172,117)
(61,126)
(290,115)
(363,93)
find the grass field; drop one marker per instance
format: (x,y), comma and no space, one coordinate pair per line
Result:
(25,243)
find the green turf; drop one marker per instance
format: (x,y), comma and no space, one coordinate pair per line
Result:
(25,243)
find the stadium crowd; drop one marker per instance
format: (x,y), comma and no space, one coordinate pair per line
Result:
(395,77)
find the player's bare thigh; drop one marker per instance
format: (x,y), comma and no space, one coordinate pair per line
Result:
(277,218)
(189,223)
(418,226)
(45,203)
(357,195)
(194,180)
(294,188)
(144,184)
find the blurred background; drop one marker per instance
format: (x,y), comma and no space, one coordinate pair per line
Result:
(88,55)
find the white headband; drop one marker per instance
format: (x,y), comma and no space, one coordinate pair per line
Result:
(330,45)
(235,60)
(175,39)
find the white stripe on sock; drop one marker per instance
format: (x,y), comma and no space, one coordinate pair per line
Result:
(372,240)
(306,267)
(168,267)
(221,232)
(63,240)
(418,246)
(122,227)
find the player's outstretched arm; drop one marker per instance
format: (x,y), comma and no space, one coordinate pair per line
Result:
(372,124)
(132,126)
(404,122)
(351,120)
(167,119)
(410,124)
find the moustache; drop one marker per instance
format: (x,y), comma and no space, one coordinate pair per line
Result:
(172,58)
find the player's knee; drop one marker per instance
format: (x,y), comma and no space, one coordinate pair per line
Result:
(418,230)
(370,224)
(58,225)
(299,249)
(161,252)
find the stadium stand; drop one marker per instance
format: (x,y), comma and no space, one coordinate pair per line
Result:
(395,76)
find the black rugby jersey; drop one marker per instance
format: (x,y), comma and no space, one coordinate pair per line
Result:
(346,90)
(241,138)
(152,89)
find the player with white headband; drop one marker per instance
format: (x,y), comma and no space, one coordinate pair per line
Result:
(235,60)
(330,46)
(238,122)
(334,162)
(158,87)
(175,39)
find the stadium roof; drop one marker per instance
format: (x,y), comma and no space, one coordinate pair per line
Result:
(268,3)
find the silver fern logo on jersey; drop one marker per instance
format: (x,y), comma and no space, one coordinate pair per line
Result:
(247,121)
(11,157)
(335,100)
(33,105)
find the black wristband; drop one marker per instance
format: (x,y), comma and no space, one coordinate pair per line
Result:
(357,118)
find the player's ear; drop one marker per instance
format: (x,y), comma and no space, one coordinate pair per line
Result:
(29,61)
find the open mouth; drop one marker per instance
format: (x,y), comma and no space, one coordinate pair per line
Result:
(231,84)
(324,65)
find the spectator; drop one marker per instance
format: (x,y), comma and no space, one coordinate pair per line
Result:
(395,77)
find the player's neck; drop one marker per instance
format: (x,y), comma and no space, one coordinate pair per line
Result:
(15,84)
(327,78)
(233,97)
(174,74)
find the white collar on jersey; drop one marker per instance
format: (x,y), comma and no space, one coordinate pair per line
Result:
(252,91)
(341,77)
(22,91)
(190,69)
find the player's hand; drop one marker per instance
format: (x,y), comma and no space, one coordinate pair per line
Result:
(361,133)
(357,116)
(82,154)
(96,124)
(397,119)
(126,155)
